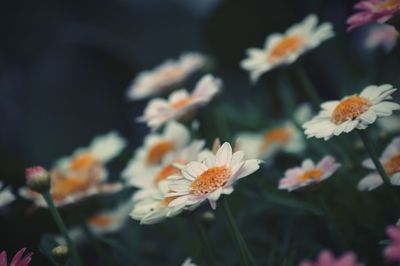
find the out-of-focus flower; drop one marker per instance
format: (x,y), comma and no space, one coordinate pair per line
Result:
(155,207)
(180,104)
(283,49)
(392,251)
(148,179)
(352,112)
(18,260)
(384,36)
(37,179)
(60,254)
(207,179)
(308,173)
(326,258)
(378,11)
(83,174)
(164,77)
(285,137)
(6,196)
(188,262)
(390,124)
(156,147)
(390,160)
(109,221)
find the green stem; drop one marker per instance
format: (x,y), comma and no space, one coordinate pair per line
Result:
(245,254)
(307,85)
(207,244)
(61,226)
(372,153)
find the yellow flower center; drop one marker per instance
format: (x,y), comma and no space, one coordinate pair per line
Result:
(393,165)
(165,172)
(349,109)
(313,174)
(285,46)
(210,180)
(387,5)
(101,220)
(157,152)
(280,135)
(181,103)
(82,162)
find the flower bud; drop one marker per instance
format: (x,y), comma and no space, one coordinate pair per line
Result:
(60,254)
(208,216)
(37,179)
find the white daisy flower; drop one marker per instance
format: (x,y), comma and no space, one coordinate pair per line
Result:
(188,262)
(285,137)
(149,178)
(110,221)
(211,177)
(352,112)
(390,160)
(83,174)
(164,77)
(308,173)
(155,207)
(180,103)
(284,49)
(6,196)
(156,147)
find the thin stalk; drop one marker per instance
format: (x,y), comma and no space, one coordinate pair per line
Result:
(307,85)
(372,153)
(245,254)
(61,226)
(207,245)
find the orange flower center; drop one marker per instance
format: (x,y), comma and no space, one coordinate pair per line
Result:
(313,174)
(279,135)
(157,152)
(62,187)
(82,162)
(349,109)
(393,165)
(166,172)
(210,180)
(101,220)
(387,5)
(285,46)
(181,103)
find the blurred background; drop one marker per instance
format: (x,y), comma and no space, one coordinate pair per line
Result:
(65,67)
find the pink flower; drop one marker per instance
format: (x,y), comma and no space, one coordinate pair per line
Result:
(17,260)
(35,173)
(381,35)
(378,11)
(326,258)
(392,251)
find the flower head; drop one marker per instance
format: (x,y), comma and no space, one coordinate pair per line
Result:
(384,36)
(352,112)
(109,221)
(392,251)
(326,258)
(378,11)
(188,262)
(180,103)
(18,260)
(207,179)
(390,160)
(283,49)
(6,196)
(82,174)
(156,148)
(37,179)
(308,173)
(164,77)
